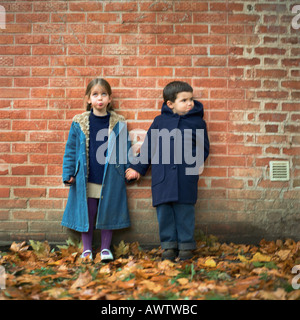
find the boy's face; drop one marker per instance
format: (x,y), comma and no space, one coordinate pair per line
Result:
(183,103)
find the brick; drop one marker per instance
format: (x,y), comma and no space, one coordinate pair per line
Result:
(272,117)
(29,192)
(13,158)
(84,6)
(14,93)
(68,17)
(208,61)
(155,72)
(138,18)
(173,39)
(218,18)
(45,204)
(155,29)
(47,93)
(28,125)
(13,203)
(102,17)
(138,39)
(28,215)
(13,226)
(28,170)
(4,192)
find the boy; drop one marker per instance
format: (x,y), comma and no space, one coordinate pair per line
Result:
(174,182)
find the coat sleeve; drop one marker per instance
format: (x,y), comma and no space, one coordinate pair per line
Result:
(69,160)
(142,161)
(206,142)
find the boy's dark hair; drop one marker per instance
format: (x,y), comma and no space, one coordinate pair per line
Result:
(172,89)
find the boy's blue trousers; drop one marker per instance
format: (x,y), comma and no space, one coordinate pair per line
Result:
(176,225)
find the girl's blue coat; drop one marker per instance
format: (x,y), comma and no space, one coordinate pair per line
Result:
(112,210)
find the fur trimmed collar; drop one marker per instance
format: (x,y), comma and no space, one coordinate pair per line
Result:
(84,122)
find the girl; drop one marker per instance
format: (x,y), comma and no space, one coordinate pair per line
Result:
(97,196)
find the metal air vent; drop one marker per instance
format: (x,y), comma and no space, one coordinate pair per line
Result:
(279,171)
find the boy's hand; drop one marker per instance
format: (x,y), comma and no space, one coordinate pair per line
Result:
(70,182)
(132,174)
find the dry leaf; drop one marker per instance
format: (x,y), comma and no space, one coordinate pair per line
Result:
(183,281)
(121,250)
(283,254)
(41,249)
(19,247)
(152,286)
(257,257)
(82,280)
(260,257)
(210,263)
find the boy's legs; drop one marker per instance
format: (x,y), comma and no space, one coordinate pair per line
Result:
(167,226)
(185,225)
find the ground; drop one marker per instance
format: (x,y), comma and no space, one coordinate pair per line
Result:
(268,271)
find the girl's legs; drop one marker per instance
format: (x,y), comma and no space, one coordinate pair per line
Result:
(87,237)
(106,236)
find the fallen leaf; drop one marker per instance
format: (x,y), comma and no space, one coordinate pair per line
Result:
(260,257)
(105,269)
(279,294)
(121,250)
(243,258)
(55,292)
(82,280)
(19,247)
(147,273)
(257,257)
(183,281)
(126,284)
(152,286)
(283,254)
(41,249)
(210,263)
(241,286)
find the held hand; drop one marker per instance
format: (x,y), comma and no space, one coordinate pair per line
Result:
(70,182)
(131,174)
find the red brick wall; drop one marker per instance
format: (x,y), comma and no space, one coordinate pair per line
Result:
(241,57)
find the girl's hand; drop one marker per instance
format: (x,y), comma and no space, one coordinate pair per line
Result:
(70,182)
(131,174)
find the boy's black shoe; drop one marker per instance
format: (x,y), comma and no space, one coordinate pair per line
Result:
(169,254)
(185,254)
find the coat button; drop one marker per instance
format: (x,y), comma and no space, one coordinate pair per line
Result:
(174,167)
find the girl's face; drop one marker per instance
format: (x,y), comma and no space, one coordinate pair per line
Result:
(99,99)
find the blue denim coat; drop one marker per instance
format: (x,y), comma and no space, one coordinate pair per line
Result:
(112,210)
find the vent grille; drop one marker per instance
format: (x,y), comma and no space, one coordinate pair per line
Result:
(279,171)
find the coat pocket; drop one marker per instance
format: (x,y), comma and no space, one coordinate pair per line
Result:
(77,168)
(120,169)
(158,175)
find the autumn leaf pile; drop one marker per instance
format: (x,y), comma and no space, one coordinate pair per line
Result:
(217,271)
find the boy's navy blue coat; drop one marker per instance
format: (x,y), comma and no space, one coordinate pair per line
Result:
(169,181)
